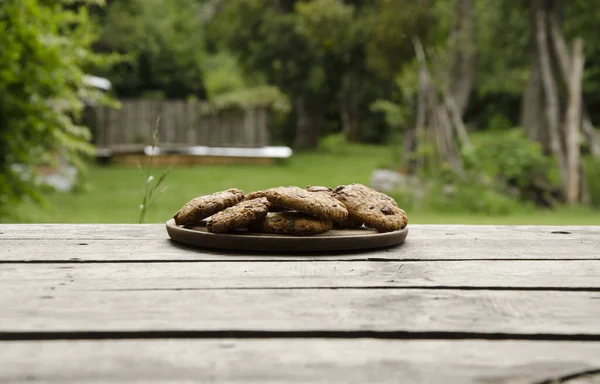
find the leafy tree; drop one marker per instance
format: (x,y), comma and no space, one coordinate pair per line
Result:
(46,49)
(164,40)
(321,53)
(222,74)
(339,32)
(267,38)
(394,23)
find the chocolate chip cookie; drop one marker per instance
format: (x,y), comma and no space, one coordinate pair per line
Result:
(291,223)
(375,209)
(350,221)
(320,205)
(199,208)
(272,208)
(239,216)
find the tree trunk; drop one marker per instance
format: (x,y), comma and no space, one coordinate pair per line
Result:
(411,135)
(549,87)
(572,124)
(464,54)
(349,109)
(409,141)
(308,125)
(590,133)
(457,121)
(440,115)
(585,196)
(562,53)
(533,119)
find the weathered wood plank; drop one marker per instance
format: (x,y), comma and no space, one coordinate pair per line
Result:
(417,231)
(161,249)
(295,361)
(592,378)
(243,275)
(302,310)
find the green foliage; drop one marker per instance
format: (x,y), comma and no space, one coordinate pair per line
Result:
(222,74)
(46,47)
(261,96)
(327,23)
(473,197)
(512,159)
(504,173)
(267,40)
(399,116)
(592,172)
(164,40)
(316,50)
(393,24)
(503,38)
(395,114)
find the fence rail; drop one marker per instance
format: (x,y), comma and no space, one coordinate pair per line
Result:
(181,124)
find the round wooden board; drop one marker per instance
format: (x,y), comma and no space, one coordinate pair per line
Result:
(333,240)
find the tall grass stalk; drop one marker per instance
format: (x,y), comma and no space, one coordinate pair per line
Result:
(151,190)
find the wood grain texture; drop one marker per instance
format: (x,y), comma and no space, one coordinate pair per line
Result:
(161,249)
(417,231)
(295,361)
(249,275)
(301,310)
(593,378)
(139,281)
(91,242)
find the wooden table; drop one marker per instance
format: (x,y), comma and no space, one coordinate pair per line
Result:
(453,304)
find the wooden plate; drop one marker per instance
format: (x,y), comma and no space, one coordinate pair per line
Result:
(333,240)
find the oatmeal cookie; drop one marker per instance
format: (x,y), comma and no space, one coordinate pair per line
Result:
(239,216)
(320,205)
(350,221)
(272,208)
(199,208)
(291,223)
(375,209)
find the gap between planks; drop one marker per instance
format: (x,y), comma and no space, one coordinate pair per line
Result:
(241,334)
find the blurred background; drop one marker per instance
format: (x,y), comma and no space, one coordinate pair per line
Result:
(465,111)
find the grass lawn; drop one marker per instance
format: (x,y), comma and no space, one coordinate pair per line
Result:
(115,193)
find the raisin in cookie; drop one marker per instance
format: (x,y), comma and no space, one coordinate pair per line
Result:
(291,223)
(239,216)
(374,208)
(320,205)
(199,208)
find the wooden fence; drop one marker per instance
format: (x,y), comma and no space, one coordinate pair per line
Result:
(181,124)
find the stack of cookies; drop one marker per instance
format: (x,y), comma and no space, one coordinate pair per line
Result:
(294,211)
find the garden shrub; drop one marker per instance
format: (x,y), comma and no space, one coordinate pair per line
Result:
(46,49)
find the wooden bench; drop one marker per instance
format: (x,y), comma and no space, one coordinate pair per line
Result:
(453,304)
(132,155)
